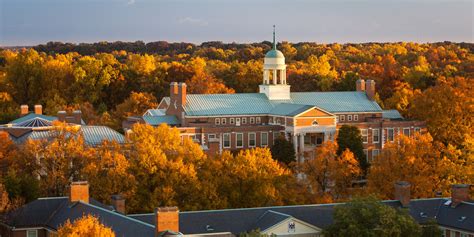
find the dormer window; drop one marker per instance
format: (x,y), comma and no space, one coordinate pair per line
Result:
(224,121)
(349,117)
(252,120)
(218,121)
(231,120)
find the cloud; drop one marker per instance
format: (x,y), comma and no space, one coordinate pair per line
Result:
(131,2)
(193,21)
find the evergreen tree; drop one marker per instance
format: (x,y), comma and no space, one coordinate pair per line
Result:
(283,151)
(349,137)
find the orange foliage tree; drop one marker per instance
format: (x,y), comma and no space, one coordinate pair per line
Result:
(88,226)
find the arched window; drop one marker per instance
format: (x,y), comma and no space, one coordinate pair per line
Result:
(315,123)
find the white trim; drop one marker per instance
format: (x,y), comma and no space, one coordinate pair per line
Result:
(261,139)
(378,135)
(237,139)
(223,141)
(33,230)
(366,135)
(356,117)
(255,139)
(217,121)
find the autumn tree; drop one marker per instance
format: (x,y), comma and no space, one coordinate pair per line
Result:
(349,137)
(85,226)
(370,217)
(135,105)
(329,176)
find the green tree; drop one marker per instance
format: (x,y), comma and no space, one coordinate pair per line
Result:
(283,151)
(349,137)
(370,217)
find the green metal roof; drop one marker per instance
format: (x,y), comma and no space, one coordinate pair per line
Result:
(391,114)
(285,109)
(258,103)
(274,53)
(155,112)
(157,120)
(33,116)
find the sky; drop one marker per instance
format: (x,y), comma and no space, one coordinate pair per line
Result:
(32,22)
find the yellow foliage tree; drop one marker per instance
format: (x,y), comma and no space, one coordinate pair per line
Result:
(86,226)
(142,64)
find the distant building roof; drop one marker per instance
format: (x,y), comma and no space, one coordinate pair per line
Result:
(155,112)
(320,215)
(285,109)
(54,212)
(258,103)
(159,119)
(31,116)
(392,114)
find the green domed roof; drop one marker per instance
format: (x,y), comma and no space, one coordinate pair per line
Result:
(274,53)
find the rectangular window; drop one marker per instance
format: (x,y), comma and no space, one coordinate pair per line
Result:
(364,134)
(349,117)
(390,135)
(32,233)
(375,153)
(237,121)
(244,120)
(263,139)
(343,118)
(337,119)
(218,121)
(406,132)
(231,120)
(226,140)
(258,120)
(252,139)
(252,120)
(375,135)
(223,121)
(239,140)
(211,136)
(356,117)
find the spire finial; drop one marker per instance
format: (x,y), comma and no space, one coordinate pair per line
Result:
(274,43)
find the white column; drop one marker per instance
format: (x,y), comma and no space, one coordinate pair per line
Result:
(275,77)
(302,147)
(283,76)
(266,78)
(295,144)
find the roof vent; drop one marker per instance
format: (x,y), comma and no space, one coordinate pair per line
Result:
(447,203)
(209,228)
(462,218)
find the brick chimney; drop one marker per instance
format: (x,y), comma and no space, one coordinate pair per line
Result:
(182,94)
(24,110)
(77,117)
(360,85)
(118,202)
(459,193)
(167,218)
(370,89)
(62,116)
(38,109)
(402,192)
(79,191)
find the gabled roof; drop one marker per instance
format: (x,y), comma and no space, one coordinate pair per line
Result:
(155,112)
(285,109)
(35,123)
(54,212)
(33,116)
(269,219)
(258,103)
(159,119)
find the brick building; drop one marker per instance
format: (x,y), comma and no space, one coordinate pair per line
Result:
(237,121)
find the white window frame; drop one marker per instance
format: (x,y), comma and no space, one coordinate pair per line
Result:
(237,140)
(237,121)
(231,120)
(349,117)
(252,120)
(366,135)
(343,118)
(356,117)
(388,135)
(223,121)
(373,135)
(244,120)
(254,139)
(211,136)
(223,140)
(262,144)
(217,121)
(32,231)
(258,120)
(409,132)
(337,119)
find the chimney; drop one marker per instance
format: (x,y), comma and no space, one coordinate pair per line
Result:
(370,89)
(77,117)
(24,110)
(459,193)
(167,218)
(360,85)
(79,191)
(173,88)
(62,116)
(182,94)
(402,193)
(38,109)
(118,202)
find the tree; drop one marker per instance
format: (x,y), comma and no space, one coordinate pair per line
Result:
(135,105)
(370,217)
(283,151)
(85,226)
(8,108)
(349,137)
(329,176)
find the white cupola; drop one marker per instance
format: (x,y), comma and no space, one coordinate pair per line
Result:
(274,75)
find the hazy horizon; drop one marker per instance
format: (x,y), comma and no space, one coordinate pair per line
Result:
(33,22)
